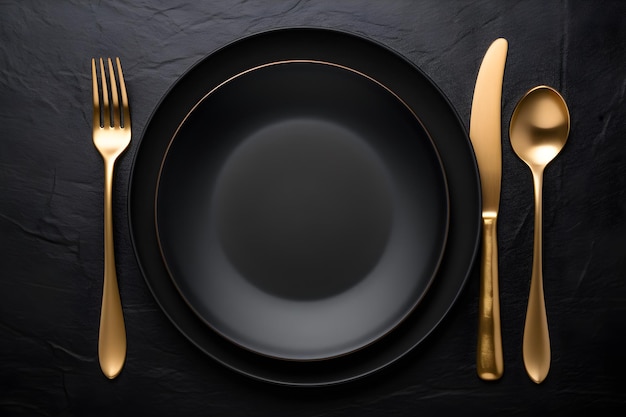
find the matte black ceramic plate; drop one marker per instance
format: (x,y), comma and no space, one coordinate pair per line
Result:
(422,97)
(302,210)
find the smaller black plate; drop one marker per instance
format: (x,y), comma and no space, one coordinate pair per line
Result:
(302,210)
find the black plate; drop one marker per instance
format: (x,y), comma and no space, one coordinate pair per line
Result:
(302,210)
(422,97)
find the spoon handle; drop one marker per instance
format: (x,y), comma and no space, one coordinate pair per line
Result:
(536,344)
(489,356)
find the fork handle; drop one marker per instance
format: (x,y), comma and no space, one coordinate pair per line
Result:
(112,337)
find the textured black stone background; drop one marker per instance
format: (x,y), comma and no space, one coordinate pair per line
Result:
(51,215)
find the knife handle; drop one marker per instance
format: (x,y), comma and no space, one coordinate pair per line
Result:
(489,357)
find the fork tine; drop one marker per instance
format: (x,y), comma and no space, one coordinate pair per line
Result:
(125,107)
(105,97)
(96,94)
(114,96)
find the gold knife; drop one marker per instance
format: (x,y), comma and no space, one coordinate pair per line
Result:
(486,138)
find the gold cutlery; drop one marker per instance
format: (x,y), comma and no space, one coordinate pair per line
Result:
(485,134)
(539,129)
(111,136)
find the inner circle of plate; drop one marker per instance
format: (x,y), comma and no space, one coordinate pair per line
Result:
(302,210)
(439,118)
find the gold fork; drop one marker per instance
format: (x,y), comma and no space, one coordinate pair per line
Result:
(111,136)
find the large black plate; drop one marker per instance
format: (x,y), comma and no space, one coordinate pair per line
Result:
(422,97)
(302,210)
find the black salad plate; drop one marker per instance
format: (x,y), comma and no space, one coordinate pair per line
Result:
(427,112)
(302,210)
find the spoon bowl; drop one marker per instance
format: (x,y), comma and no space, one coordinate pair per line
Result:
(539,126)
(539,129)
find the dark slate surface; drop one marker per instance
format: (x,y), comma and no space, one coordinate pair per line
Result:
(51,216)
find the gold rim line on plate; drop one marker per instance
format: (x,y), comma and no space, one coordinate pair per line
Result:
(272,64)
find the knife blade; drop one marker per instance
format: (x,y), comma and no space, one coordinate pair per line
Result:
(486,138)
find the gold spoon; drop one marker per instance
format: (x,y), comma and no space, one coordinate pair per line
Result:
(539,129)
